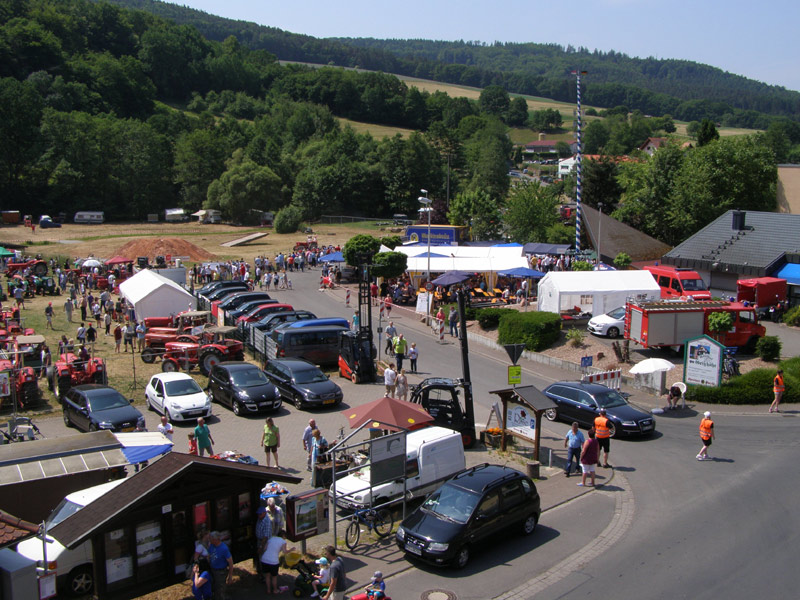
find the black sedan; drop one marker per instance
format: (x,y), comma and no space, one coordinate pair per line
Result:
(243,387)
(93,407)
(303,383)
(582,402)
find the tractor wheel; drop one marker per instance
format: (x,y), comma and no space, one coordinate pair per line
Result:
(208,359)
(63,384)
(170,366)
(40,269)
(149,355)
(30,393)
(51,378)
(354,377)
(98,377)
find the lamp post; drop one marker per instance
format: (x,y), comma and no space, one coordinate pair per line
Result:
(426,202)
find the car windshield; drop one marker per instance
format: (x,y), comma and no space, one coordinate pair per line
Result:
(184,387)
(609,399)
(61,512)
(617,313)
(309,376)
(107,400)
(453,503)
(693,285)
(249,378)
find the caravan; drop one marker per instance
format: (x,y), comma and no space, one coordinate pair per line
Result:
(90,216)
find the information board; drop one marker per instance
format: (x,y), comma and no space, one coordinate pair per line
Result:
(702,362)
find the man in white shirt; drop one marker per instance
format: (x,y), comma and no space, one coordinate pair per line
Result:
(390,380)
(166,428)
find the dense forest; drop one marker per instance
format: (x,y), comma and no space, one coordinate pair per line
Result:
(684,89)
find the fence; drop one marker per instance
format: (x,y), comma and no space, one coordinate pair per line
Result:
(610,379)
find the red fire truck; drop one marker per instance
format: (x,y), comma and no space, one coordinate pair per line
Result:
(671,323)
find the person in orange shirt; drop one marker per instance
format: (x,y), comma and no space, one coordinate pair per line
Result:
(707,435)
(777,387)
(603,433)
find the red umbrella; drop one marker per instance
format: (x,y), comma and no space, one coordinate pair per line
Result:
(388,413)
(119,260)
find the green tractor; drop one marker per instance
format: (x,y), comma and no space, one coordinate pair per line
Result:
(46,286)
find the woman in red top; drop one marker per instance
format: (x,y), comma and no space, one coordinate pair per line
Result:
(387,304)
(590,453)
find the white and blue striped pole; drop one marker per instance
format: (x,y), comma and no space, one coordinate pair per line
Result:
(578,212)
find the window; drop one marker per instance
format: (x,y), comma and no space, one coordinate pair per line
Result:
(490,505)
(526,486)
(412,468)
(201,514)
(745,316)
(148,550)
(663,281)
(118,557)
(585,399)
(676,285)
(511,493)
(565,392)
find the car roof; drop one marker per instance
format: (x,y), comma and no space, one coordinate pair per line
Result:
(174,376)
(295,363)
(236,365)
(477,478)
(592,388)
(89,389)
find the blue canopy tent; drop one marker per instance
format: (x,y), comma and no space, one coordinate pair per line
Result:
(141,446)
(333,257)
(451,277)
(523,272)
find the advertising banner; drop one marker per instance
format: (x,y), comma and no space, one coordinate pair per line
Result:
(702,362)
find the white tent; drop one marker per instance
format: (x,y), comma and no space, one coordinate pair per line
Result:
(597,292)
(153,295)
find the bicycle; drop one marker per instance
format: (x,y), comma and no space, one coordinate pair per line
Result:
(378,520)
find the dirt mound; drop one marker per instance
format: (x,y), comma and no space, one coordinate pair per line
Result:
(174,247)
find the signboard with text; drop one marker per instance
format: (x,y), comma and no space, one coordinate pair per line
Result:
(702,361)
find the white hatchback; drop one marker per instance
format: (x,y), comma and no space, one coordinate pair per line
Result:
(178,396)
(610,324)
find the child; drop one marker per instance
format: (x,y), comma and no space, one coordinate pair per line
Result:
(324,577)
(413,355)
(192,445)
(377,589)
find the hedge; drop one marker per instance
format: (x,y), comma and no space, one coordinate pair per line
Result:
(754,387)
(537,330)
(489,318)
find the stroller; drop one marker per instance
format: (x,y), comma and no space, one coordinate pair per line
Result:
(302,583)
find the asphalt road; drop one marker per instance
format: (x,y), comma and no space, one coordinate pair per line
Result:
(721,528)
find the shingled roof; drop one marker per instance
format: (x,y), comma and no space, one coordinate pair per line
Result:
(618,237)
(135,489)
(13,529)
(756,249)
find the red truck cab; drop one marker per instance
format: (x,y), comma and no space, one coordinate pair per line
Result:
(678,283)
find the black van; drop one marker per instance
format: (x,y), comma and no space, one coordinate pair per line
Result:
(319,345)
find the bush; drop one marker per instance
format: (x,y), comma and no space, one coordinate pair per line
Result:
(582,265)
(575,337)
(769,347)
(537,330)
(489,318)
(792,316)
(754,387)
(288,219)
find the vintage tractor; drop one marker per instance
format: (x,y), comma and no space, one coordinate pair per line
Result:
(70,371)
(207,350)
(46,286)
(37,267)
(23,379)
(10,328)
(184,327)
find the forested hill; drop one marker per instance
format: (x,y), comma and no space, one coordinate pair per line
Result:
(682,89)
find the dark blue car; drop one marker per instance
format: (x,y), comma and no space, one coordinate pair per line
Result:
(582,402)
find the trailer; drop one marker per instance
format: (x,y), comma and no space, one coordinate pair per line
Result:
(671,323)
(761,292)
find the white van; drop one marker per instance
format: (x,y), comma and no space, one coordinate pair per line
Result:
(433,455)
(90,216)
(73,567)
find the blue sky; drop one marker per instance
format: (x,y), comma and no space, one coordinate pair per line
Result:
(756,40)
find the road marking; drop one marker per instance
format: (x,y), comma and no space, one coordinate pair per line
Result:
(620,523)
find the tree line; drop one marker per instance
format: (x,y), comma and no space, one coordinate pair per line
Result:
(685,89)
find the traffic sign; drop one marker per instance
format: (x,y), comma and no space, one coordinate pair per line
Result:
(514,351)
(514,374)
(429,286)
(586,361)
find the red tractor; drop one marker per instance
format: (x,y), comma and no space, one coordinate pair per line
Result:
(184,327)
(70,371)
(23,379)
(205,351)
(37,267)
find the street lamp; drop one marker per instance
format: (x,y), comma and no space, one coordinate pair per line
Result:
(426,202)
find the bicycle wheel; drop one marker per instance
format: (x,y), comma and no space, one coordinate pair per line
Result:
(352,534)
(383,522)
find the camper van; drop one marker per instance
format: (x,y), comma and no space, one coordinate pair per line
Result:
(73,567)
(433,455)
(90,216)
(175,215)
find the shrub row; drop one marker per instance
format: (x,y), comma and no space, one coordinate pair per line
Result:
(792,316)
(537,330)
(489,318)
(754,387)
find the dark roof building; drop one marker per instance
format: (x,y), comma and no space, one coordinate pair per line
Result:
(613,237)
(738,245)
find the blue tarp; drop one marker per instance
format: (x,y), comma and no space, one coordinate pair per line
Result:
(451,277)
(139,454)
(333,257)
(791,273)
(523,272)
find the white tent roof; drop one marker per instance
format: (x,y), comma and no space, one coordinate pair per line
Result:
(153,295)
(587,282)
(477,259)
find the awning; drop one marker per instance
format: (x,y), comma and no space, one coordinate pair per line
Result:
(791,273)
(141,446)
(539,248)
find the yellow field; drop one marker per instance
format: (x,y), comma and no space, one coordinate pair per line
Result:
(376,131)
